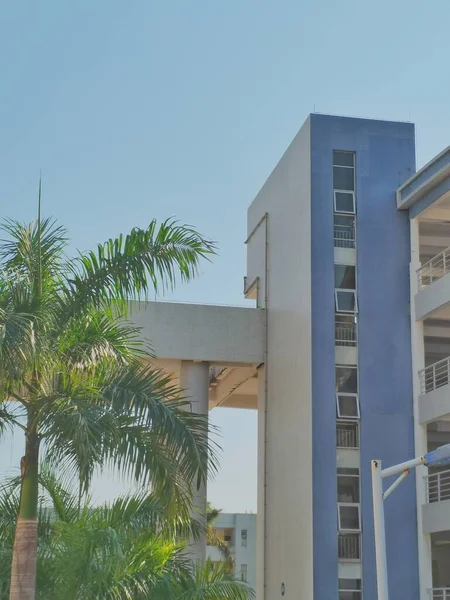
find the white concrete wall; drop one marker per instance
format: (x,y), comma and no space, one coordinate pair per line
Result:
(217,334)
(420,432)
(432,297)
(285,430)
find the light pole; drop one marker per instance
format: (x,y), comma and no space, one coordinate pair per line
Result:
(440,456)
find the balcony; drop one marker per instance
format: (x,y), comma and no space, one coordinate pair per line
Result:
(438,486)
(345,331)
(436,510)
(440,594)
(433,284)
(434,400)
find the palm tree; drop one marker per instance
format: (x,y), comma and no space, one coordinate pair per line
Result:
(125,549)
(212,514)
(71,375)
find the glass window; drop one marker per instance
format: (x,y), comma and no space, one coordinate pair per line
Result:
(343,178)
(350,589)
(343,159)
(348,515)
(348,485)
(344,277)
(346,379)
(243,537)
(345,301)
(244,573)
(347,406)
(344,202)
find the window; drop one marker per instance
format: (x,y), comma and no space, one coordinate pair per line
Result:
(344,277)
(347,434)
(344,171)
(350,589)
(244,573)
(349,516)
(349,546)
(243,537)
(346,379)
(344,202)
(348,485)
(347,406)
(345,301)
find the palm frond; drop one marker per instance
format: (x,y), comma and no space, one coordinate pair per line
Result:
(128,267)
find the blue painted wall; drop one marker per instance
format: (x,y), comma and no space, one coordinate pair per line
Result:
(385,158)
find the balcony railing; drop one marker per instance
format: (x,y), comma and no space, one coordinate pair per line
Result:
(440,594)
(345,331)
(347,434)
(349,546)
(344,236)
(438,487)
(434,269)
(434,376)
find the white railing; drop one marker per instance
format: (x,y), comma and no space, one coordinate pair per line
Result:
(434,376)
(349,546)
(440,594)
(344,236)
(434,269)
(437,486)
(345,331)
(347,434)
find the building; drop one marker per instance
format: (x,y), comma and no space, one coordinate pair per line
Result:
(238,531)
(345,355)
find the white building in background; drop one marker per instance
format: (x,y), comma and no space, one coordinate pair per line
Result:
(238,530)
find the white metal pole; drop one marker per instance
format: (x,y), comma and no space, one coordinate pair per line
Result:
(380,537)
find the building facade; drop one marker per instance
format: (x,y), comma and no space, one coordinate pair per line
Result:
(345,355)
(238,531)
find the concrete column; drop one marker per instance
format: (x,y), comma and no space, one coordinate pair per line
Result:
(194,381)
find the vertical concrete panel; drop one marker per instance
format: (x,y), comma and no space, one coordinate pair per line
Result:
(287,492)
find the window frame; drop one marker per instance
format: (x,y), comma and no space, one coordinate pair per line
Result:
(244,572)
(244,537)
(345,590)
(344,212)
(351,505)
(336,303)
(338,408)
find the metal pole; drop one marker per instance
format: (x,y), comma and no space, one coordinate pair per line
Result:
(378,525)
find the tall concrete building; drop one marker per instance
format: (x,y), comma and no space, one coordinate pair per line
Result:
(238,531)
(345,356)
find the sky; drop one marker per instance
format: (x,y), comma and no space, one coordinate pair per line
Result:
(154,109)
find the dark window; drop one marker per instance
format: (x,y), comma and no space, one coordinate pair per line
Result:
(347,380)
(343,178)
(350,589)
(344,202)
(343,159)
(344,277)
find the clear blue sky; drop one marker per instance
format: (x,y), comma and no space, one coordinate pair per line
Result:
(144,109)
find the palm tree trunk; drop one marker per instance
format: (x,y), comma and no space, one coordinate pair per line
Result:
(23,569)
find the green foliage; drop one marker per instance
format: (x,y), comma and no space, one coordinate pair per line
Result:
(71,364)
(127,549)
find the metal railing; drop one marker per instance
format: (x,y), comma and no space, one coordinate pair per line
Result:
(347,434)
(437,486)
(345,331)
(349,546)
(344,236)
(434,269)
(440,594)
(434,376)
